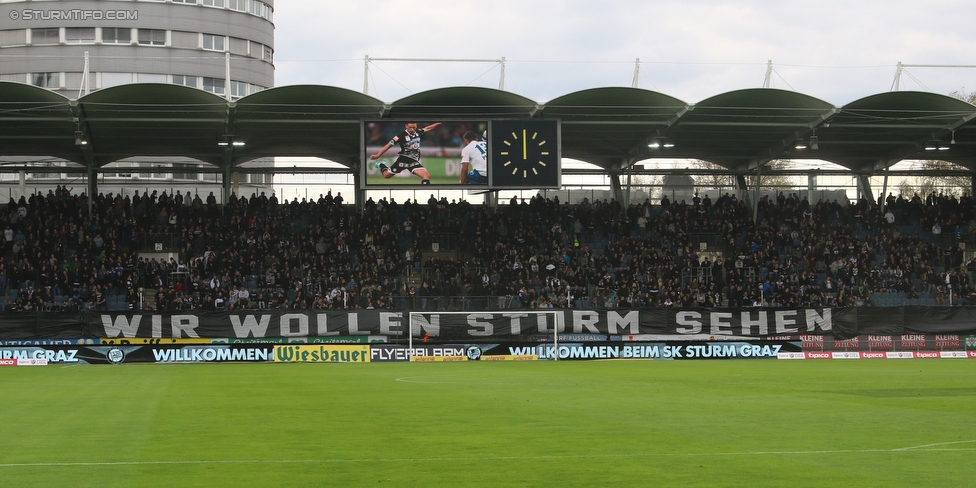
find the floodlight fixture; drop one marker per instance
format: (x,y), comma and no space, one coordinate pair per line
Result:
(659,143)
(229,140)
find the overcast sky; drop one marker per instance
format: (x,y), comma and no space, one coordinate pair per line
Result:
(838,51)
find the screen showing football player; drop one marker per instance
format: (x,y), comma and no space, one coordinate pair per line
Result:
(474,160)
(409,156)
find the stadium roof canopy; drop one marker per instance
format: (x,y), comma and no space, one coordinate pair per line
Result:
(611,127)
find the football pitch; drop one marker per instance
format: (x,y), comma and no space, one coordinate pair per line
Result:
(606,423)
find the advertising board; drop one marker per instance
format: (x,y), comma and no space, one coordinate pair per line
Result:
(394,353)
(679,350)
(122,353)
(321,354)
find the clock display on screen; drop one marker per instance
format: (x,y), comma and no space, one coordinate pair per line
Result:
(525,154)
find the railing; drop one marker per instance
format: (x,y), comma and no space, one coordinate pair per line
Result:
(166,242)
(445,241)
(452,303)
(690,274)
(713,240)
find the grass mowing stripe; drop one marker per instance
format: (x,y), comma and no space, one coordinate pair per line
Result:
(480,458)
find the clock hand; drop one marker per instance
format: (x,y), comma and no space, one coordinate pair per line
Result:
(525,150)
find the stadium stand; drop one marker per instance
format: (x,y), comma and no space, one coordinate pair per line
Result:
(257,253)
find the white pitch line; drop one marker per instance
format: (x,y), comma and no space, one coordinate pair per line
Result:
(407,379)
(933,445)
(480,458)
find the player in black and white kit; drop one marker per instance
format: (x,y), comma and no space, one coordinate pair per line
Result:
(409,155)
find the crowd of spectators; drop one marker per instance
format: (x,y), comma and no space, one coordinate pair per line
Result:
(258,253)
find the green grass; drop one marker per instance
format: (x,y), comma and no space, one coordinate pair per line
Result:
(443,171)
(611,423)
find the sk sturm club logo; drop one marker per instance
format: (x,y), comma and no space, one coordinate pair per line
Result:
(474,353)
(115,355)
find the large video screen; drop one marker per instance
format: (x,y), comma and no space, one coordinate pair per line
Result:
(425,152)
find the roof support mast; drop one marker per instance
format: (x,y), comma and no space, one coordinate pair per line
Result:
(501,78)
(85,87)
(896,85)
(227,85)
(636,82)
(366,75)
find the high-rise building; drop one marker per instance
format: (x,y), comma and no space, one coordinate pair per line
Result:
(225,47)
(74,47)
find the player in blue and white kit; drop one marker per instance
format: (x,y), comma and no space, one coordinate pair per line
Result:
(474,160)
(409,155)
